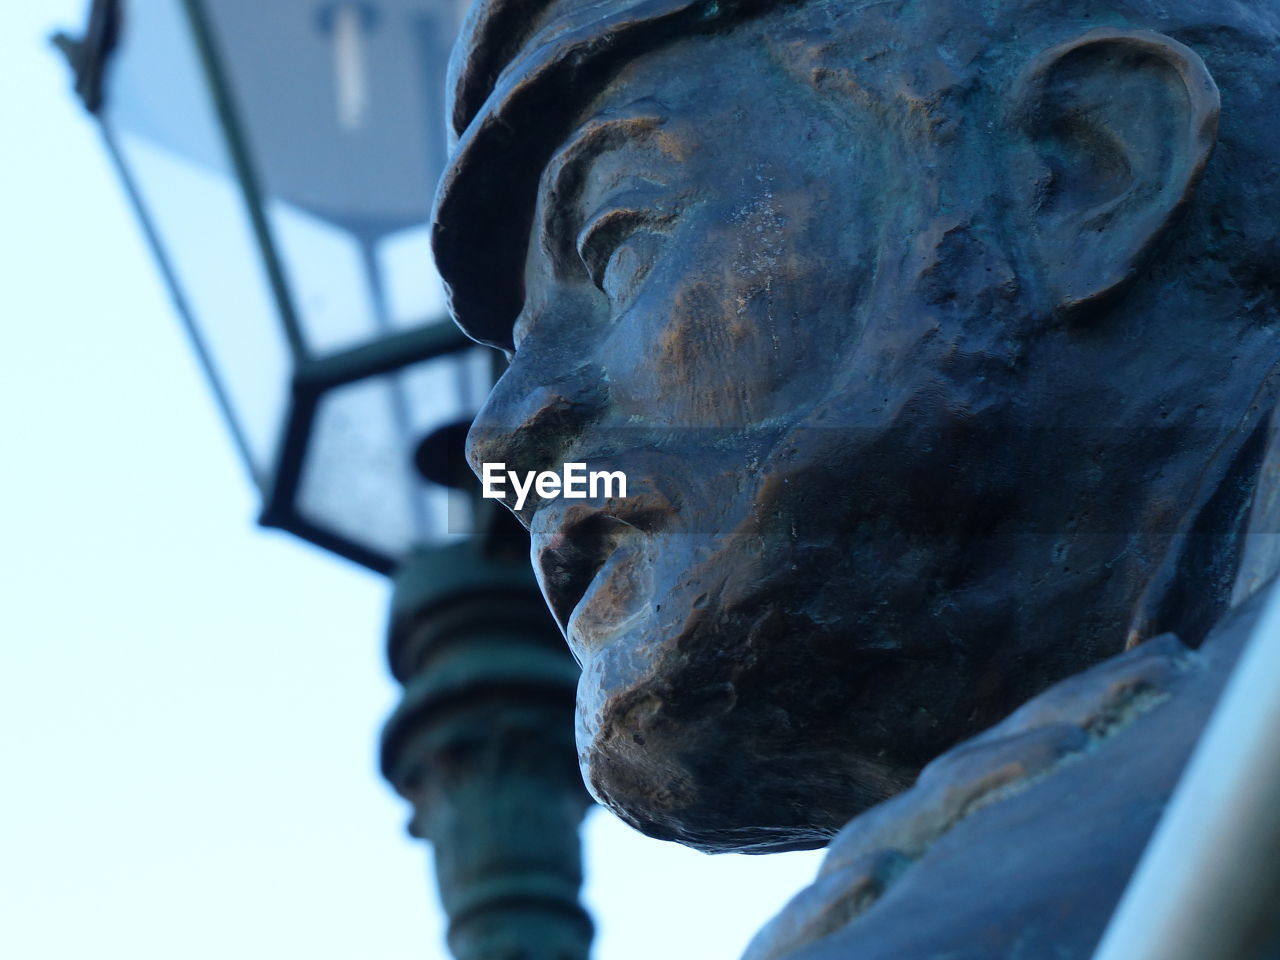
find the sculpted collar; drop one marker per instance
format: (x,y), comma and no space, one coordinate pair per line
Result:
(1051,807)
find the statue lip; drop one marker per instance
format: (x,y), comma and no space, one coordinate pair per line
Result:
(569,559)
(573,540)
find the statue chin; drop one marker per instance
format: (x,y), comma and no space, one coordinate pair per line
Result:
(716,787)
(670,737)
(659,776)
(687,743)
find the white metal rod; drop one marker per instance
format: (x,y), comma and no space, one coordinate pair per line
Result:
(1205,888)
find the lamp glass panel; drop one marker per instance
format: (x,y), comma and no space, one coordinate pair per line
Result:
(413,287)
(160,119)
(332,291)
(358,477)
(342,104)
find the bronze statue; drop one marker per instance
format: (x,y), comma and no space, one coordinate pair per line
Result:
(936,340)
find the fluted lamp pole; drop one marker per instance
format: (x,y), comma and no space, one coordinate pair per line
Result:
(482,745)
(281,158)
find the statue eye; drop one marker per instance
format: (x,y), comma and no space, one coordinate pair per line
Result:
(629,264)
(616,246)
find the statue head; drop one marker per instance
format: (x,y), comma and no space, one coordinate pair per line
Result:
(934,339)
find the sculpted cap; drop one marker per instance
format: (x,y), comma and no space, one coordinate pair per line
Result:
(520,73)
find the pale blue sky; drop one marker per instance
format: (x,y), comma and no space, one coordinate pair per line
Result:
(189,706)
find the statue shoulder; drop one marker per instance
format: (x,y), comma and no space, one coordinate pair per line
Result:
(1019,842)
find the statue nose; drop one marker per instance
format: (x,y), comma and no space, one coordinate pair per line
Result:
(530,426)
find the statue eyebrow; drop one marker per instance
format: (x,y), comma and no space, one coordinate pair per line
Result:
(565,173)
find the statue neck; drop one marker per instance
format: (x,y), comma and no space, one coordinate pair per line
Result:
(1229,543)
(1260,543)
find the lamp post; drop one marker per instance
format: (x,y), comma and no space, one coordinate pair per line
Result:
(281,159)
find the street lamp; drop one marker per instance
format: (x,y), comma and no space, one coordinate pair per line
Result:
(282,158)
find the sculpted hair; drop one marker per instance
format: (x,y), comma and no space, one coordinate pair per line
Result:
(924,78)
(918,69)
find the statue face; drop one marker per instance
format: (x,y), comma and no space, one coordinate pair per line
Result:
(836,543)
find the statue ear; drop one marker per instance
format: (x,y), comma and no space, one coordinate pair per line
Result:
(1120,124)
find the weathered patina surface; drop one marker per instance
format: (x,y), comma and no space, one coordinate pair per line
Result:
(936,340)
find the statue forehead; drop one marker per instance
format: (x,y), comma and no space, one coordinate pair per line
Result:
(505,43)
(522,78)
(654,114)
